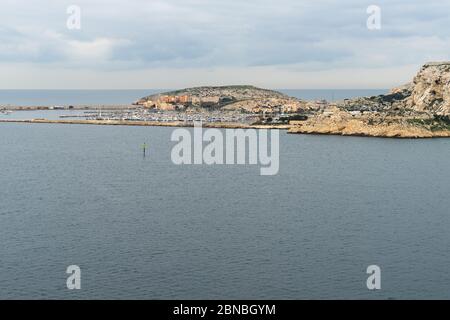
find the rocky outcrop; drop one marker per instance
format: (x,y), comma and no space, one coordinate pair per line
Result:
(343,124)
(431,89)
(419,109)
(428,93)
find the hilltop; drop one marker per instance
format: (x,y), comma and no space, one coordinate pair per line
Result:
(235,92)
(237,97)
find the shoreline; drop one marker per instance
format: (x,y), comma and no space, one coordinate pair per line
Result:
(390,128)
(437,135)
(181,124)
(291,129)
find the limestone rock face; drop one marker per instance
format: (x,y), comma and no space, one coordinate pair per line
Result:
(429,92)
(404,90)
(431,89)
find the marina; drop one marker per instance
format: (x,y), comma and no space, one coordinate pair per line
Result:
(5,112)
(142,114)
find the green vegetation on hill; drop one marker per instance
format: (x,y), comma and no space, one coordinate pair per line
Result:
(232,93)
(437,123)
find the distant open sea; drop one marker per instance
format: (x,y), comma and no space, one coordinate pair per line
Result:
(117,97)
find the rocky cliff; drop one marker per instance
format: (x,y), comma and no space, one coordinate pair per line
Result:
(430,90)
(428,93)
(419,109)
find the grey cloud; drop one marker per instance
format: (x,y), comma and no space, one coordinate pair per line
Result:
(221,33)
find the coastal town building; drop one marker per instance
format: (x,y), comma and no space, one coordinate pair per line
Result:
(168,102)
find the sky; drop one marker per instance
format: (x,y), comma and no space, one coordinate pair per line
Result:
(283,44)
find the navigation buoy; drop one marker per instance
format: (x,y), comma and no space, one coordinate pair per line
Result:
(144,148)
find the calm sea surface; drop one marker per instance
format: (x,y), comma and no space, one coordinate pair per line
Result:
(145,228)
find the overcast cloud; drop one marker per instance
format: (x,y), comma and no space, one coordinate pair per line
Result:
(177,43)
